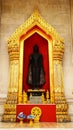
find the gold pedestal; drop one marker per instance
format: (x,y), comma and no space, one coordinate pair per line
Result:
(21,120)
(31,122)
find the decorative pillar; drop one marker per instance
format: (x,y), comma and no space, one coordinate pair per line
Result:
(61,104)
(11,101)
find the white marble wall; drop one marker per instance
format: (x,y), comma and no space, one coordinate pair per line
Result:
(58,13)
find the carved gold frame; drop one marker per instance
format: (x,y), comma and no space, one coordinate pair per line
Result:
(55,50)
(15,49)
(50,63)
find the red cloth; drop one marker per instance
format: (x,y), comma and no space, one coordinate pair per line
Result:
(43,49)
(48,111)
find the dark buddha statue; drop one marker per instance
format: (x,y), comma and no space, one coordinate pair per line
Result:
(36,75)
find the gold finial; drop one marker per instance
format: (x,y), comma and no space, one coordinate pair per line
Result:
(36,9)
(43,99)
(47,95)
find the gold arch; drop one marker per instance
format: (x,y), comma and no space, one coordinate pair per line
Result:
(50,65)
(34,19)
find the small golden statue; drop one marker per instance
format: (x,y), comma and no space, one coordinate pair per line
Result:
(47,95)
(43,99)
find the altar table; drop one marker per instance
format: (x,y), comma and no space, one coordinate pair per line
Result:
(48,111)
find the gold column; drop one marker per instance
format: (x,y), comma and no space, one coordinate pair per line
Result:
(61,104)
(51,72)
(10,106)
(13,87)
(58,76)
(20,71)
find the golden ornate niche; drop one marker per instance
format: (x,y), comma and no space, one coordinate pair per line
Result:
(55,50)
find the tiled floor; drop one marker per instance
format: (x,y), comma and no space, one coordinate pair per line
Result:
(36,125)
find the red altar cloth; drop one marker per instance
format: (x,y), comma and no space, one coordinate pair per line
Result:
(48,111)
